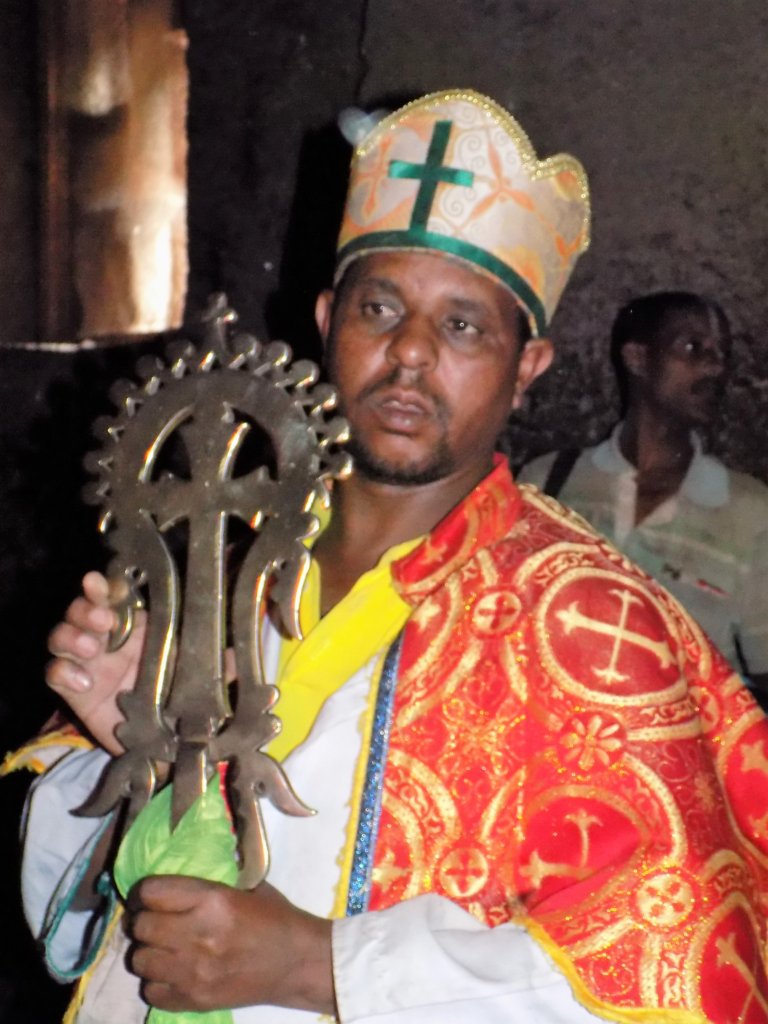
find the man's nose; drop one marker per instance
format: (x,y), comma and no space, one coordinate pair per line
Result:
(713,361)
(414,344)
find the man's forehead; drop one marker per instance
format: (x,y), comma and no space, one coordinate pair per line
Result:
(395,271)
(368,263)
(703,319)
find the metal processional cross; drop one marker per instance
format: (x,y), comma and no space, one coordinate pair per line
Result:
(203,407)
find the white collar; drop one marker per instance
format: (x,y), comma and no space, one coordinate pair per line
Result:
(706,482)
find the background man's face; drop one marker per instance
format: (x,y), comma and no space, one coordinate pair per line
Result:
(686,365)
(424,352)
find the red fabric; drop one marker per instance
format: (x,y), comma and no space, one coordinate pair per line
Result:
(566,746)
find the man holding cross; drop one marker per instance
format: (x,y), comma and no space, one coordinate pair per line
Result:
(534,778)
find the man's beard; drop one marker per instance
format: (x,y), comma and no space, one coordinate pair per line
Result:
(439,465)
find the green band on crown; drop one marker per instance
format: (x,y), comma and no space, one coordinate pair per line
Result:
(415,238)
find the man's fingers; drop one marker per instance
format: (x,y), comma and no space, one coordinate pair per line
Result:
(86,615)
(163,996)
(96,588)
(68,641)
(104,592)
(63,675)
(173,894)
(168,984)
(171,951)
(152,964)
(152,929)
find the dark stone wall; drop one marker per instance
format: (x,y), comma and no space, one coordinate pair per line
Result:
(48,401)
(18,171)
(664,104)
(265,190)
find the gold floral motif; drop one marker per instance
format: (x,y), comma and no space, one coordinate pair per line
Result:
(679,711)
(572,557)
(421,704)
(425,794)
(593,740)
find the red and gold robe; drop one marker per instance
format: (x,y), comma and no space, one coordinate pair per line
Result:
(565,748)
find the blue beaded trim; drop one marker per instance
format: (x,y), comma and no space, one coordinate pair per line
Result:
(370,805)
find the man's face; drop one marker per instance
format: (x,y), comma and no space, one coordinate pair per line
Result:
(424,354)
(685,365)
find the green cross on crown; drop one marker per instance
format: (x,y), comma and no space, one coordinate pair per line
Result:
(431,173)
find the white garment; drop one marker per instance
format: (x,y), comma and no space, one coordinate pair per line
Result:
(425,961)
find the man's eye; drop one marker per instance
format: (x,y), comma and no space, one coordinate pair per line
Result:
(377,310)
(460,326)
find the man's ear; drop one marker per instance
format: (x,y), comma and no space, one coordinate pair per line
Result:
(323,311)
(634,356)
(535,358)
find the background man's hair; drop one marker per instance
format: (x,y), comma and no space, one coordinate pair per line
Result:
(641,318)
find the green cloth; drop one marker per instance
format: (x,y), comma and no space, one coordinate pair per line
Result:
(202,846)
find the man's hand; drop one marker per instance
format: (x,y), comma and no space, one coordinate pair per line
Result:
(204,946)
(83,672)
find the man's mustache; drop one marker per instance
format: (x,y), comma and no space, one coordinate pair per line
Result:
(406,379)
(710,386)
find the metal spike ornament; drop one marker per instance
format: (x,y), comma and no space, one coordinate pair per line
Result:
(207,401)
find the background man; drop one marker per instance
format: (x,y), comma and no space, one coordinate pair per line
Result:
(491,712)
(696,526)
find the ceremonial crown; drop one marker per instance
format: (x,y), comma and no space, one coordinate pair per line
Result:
(456,173)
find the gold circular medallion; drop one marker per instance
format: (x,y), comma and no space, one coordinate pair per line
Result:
(665,899)
(463,872)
